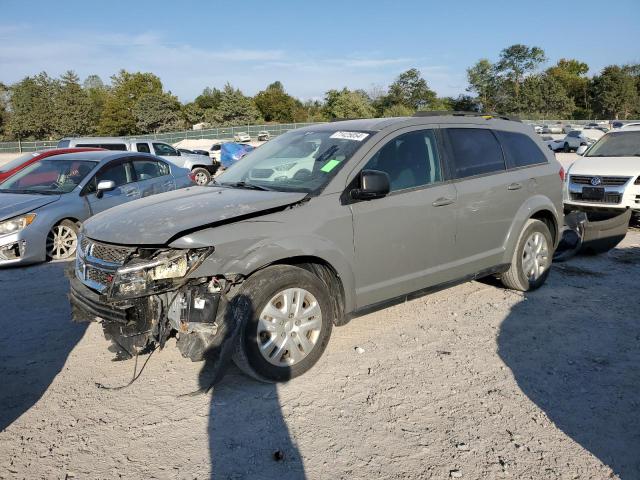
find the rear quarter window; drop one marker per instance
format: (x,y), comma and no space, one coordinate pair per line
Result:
(520,150)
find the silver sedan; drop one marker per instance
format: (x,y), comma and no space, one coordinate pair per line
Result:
(43,205)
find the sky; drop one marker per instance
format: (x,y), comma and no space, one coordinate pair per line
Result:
(310,47)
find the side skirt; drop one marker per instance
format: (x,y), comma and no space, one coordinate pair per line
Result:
(423,291)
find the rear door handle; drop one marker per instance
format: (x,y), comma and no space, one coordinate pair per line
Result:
(442,201)
(514,186)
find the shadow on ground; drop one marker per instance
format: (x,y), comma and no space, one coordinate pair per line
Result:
(580,360)
(36,335)
(248,436)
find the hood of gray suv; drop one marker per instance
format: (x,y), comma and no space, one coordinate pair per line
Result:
(157,219)
(14,204)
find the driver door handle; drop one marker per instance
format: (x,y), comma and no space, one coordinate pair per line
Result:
(514,186)
(442,201)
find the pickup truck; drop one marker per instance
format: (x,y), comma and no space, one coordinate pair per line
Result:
(202,167)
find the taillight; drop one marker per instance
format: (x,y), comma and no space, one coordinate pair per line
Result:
(192,176)
(561,173)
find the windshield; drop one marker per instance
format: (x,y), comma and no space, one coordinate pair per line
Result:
(617,144)
(16,162)
(48,176)
(299,160)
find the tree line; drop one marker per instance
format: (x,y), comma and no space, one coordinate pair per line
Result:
(41,107)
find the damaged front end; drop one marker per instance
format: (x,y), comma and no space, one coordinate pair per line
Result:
(142,296)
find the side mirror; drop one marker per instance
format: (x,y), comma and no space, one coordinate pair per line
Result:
(373,184)
(581,149)
(105,186)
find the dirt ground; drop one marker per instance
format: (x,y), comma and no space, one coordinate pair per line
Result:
(473,382)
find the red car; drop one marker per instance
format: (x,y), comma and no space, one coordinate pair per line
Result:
(25,159)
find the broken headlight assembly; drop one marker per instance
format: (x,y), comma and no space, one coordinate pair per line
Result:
(161,272)
(16,224)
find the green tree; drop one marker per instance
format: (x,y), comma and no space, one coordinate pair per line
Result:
(234,109)
(397,110)
(97,93)
(72,106)
(484,82)
(275,104)
(572,74)
(126,90)
(193,113)
(544,96)
(514,64)
(158,113)
(32,107)
(347,103)
(614,92)
(4,110)
(209,99)
(410,90)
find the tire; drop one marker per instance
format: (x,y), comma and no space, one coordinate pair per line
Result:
(201,176)
(266,288)
(62,240)
(516,278)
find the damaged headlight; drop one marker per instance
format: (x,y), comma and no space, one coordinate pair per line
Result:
(160,273)
(16,224)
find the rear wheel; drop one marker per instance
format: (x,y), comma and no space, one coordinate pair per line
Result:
(201,176)
(287,319)
(532,258)
(62,240)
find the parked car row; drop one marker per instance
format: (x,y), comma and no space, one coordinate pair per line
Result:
(201,165)
(318,226)
(571,142)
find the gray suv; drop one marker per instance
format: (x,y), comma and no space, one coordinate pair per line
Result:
(318,226)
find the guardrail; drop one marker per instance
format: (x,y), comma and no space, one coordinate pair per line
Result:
(221,133)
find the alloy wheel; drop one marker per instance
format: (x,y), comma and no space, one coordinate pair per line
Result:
(62,242)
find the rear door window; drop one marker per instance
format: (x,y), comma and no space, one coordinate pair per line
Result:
(148,169)
(475,152)
(520,150)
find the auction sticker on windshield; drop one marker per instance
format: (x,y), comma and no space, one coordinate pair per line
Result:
(356,136)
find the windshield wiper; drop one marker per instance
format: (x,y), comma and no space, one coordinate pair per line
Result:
(29,192)
(248,186)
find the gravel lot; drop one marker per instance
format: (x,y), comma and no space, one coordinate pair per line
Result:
(471,382)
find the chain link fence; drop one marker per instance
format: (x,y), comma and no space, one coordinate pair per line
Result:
(222,133)
(227,133)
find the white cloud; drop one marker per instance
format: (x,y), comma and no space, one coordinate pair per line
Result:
(186,69)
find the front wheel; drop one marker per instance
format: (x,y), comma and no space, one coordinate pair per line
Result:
(531,259)
(62,240)
(201,176)
(287,317)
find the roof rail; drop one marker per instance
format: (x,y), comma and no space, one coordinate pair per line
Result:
(485,115)
(345,119)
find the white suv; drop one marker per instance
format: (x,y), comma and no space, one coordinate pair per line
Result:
(607,177)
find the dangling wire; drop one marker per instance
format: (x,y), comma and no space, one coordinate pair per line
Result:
(135,376)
